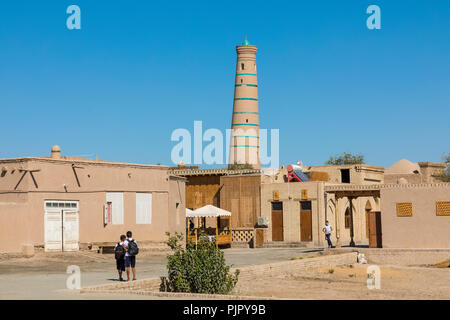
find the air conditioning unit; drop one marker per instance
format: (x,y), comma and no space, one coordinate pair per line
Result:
(263,221)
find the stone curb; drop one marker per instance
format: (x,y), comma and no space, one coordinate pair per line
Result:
(187,295)
(135,287)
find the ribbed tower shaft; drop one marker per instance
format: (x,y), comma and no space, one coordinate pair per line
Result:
(244,144)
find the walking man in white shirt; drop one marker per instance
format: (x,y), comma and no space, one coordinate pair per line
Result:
(327,230)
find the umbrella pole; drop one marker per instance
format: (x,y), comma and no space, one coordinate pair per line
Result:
(231,233)
(217,231)
(188,231)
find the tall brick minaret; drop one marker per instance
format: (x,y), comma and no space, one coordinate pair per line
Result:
(244,144)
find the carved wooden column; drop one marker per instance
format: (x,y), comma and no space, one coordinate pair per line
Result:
(337,218)
(352,242)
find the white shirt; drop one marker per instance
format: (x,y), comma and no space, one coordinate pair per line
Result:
(327,229)
(126,246)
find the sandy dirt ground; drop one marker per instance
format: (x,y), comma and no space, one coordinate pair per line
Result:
(44,276)
(350,282)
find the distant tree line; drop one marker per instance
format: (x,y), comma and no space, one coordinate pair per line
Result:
(240,166)
(345,158)
(445,176)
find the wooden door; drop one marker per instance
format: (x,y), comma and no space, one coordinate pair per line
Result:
(277,221)
(70,230)
(375,229)
(305,221)
(53,230)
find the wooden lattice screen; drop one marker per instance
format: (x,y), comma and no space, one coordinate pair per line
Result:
(404,209)
(443,208)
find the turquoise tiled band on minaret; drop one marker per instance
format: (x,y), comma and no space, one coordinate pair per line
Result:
(244,147)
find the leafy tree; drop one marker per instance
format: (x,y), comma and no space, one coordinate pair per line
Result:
(240,166)
(445,176)
(201,270)
(345,158)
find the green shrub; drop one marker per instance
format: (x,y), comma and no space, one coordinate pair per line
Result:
(444,176)
(197,270)
(240,166)
(345,158)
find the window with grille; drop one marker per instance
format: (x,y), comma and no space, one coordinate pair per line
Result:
(404,209)
(277,205)
(443,208)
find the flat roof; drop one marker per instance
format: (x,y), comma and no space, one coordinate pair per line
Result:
(348,166)
(73,160)
(218,172)
(374,187)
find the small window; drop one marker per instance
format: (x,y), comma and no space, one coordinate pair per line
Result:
(305,205)
(404,209)
(246,120)
(443,208)
(242,80)
(345,175)
(277,205)
(242,66)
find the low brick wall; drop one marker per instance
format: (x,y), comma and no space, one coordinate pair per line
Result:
(151,286)
(406,257)
(297,265)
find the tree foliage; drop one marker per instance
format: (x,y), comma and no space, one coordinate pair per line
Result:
(240,166)
(201,270)
(445,176)
(345,158)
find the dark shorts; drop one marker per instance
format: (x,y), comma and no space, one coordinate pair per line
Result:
(120,264)
(130,261)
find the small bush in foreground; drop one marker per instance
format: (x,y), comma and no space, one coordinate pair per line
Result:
(201,270)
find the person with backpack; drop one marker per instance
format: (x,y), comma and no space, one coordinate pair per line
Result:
(119,253)
(132,250)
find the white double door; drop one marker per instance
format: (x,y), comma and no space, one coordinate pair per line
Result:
(61,224)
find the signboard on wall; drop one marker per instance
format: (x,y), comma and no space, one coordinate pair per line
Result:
(304,194)
(276,195)
(107,215)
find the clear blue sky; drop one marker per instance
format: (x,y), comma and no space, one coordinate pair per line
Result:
(137,70)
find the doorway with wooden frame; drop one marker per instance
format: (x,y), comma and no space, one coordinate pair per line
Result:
(277,221)
(375,240)
(305,221)
(61,225)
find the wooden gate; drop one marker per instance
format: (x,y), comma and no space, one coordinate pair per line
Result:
(70,230)
(61,226)
(277,221)
(305,221)
(375,229)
